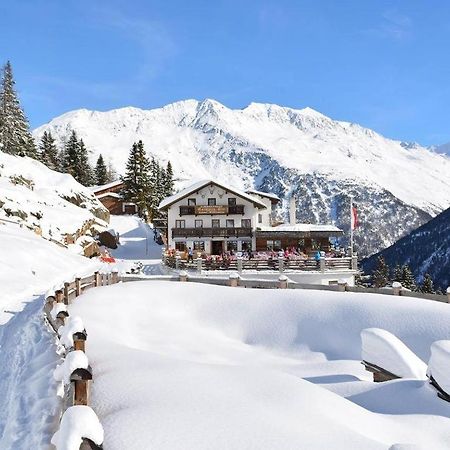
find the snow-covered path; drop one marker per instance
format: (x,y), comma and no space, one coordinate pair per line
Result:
(137,244)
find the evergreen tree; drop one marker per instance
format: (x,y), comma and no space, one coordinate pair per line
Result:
(101,172)
(83,172)
(69,156)
(397,275)
(380,276)
(137,181)
(408,279)
(48,153)
(169,180)
(427,286)
(15,136)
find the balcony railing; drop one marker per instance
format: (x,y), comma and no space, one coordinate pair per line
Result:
(186,210)
(212,232)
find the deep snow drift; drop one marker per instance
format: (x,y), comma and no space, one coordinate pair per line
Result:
(188,366)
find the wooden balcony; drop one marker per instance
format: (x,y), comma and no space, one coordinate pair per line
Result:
(198,210)
(211,232)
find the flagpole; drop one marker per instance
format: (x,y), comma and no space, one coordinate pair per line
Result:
(351,228)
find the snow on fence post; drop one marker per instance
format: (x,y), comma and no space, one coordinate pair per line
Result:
(281,264)
(77,286)
(322,264)
(59,296)
(342,285)
(283,282)
(233,279)
(79,340)
(81,379)
(448,294)
(397,288)
(199,264)
(66,293)
(239,264)
(183,275)
(96,279)
(115,277)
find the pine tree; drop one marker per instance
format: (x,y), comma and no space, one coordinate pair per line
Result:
(407,279)
(101,172)
(169,180)
(83,172)
(427,286)
(48,153)
(397,275)
(15,136)
(380,276)
(137,182)
(69,156)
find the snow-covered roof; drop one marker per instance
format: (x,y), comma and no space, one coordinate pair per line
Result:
(201,184)
(264,194)
(105,186)
(109,194)
(302,227)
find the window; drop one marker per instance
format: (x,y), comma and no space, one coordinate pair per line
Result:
(301,243)
(274,245)
(199,245)
(247,246)
(315,244)
(180,224)
(181,246)
(211,202)
(231,202)
(246,223)
(230,223)
(191,202)
(231,246)
(259,218)
(199,224)
(215,223)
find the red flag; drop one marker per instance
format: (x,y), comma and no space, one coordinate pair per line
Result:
(354,217)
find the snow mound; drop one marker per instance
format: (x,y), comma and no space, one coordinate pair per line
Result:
(439,364)
(77,422)
(73,325)
(385,350)
(73,360)
(57,308)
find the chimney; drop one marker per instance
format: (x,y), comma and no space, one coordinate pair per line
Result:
(292,211)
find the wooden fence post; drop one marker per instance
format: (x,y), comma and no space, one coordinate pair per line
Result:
(79,341)
(183,275)
(115,277)
(59,296)
(81,379)
(233,279)
(342,284)
(87,444)
(66,293)
(283,282)
(77,287)
(396,287)
(97,279)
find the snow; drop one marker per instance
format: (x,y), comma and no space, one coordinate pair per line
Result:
(240,368)
(57,308)
(304,227)
(73,360)
(196,185)
(202,139)
(105,186)
(439,364)
(72,325)
(385,350)
(264,194)
(44,198)
(78,422)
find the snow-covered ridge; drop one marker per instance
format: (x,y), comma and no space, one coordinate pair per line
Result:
(32,194)
(281,150)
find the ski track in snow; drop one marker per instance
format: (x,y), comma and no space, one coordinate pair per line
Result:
(29,407)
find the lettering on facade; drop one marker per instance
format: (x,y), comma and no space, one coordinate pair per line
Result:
(216,209)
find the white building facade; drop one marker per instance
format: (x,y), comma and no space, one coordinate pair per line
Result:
(213,218)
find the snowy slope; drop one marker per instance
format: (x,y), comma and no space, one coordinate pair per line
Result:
(425,250)
(30,265)
(210,367)
(283,150)
(32,194)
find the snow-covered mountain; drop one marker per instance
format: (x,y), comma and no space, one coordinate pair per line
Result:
(37,197)
(443,148)
(320,161)
(425,250)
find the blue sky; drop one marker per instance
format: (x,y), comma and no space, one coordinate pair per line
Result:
(383,64)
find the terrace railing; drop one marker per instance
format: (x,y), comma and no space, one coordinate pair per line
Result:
(212,232)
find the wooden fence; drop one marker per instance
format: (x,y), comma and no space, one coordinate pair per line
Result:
(278,264)
(77,392)
(71,238)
